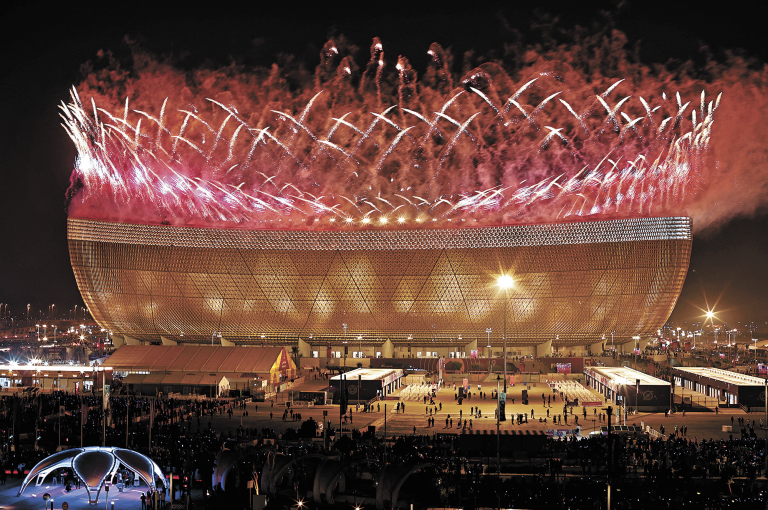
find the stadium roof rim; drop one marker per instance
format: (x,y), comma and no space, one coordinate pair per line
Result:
(549,234)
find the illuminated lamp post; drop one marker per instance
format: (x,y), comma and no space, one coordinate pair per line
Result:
(488,331)
(505,282)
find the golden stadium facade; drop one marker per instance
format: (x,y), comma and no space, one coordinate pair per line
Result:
(574,283)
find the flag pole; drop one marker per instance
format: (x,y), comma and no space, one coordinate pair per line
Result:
(151,420)
(104,398)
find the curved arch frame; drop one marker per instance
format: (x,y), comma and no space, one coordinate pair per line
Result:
(334,479)
(68,461)
(396,492)
(37,471)
(274,477)
(400,476)
(106,475)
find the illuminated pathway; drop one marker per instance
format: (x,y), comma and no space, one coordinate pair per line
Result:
(700,425)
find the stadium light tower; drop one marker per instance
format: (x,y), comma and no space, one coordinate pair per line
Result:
(505,282)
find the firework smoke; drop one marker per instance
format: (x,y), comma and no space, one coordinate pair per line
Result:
(552,140)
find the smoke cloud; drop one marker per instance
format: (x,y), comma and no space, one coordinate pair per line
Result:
(545,133)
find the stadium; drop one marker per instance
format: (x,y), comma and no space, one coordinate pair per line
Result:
(384,293)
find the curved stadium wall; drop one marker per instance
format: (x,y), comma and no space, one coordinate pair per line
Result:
(573,282)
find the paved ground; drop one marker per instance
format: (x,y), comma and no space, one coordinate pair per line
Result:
(32,498)
(700,425)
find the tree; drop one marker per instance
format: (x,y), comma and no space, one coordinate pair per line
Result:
(296,355)
(453,365)
(309,428)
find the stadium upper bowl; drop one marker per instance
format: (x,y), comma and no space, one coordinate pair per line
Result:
(573,283)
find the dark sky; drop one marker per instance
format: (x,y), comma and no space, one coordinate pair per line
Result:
(43,48)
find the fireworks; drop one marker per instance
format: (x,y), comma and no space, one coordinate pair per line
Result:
(490,151)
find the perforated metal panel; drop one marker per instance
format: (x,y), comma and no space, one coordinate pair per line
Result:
(573,282)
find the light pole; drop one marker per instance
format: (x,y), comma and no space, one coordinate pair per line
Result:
(360,341)
(215,334)
(505,282)
(345,346)
(488,331)
(637,346)
(498,441)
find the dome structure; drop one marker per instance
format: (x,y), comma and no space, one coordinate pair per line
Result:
(95,465)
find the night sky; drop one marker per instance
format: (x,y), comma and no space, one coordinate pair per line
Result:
(44,47)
